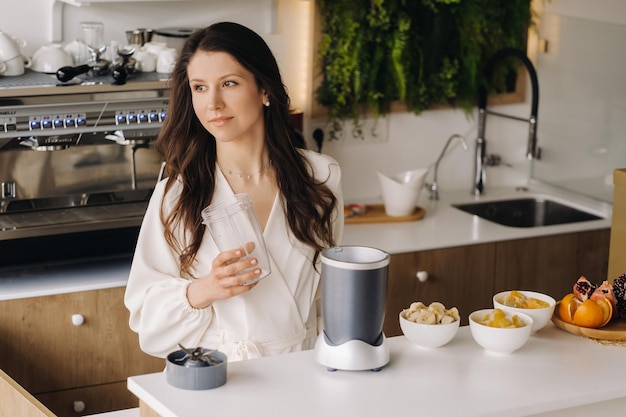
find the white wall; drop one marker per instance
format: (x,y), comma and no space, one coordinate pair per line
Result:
(413,141)
(583,95)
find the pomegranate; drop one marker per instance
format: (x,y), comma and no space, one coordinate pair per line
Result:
(583,288)
(605,290)
(619,292)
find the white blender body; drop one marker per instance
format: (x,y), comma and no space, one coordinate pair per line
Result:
(354,297)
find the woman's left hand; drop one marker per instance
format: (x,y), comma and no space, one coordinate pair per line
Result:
(229,273)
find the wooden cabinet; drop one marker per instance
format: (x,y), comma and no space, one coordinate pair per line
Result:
(60,343)
(89,400)
(552,264)
(467,277)
(16,401)
(461,277)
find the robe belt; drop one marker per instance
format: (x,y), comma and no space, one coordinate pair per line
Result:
(248,349)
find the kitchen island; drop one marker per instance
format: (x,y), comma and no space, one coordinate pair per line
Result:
(54,301)
(554,374)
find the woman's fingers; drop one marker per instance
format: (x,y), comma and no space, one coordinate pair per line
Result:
(231,268)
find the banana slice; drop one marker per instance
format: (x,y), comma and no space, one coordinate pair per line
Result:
(454,313)
(434,313)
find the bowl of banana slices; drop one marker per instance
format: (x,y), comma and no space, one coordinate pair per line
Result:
(429,326)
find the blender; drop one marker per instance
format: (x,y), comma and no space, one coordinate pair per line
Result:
(354,297)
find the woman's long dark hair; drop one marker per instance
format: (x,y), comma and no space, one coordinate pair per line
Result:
(189,150)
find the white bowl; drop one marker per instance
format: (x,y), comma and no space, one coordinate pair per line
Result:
(428,335)
(540,316)
(49,58)
(78,51)
(496,340)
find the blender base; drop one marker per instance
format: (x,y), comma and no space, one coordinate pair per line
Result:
(353,355)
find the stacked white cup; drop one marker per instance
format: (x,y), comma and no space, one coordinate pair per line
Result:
(11,60)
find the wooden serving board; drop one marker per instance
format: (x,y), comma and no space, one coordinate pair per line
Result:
(615,330)
(375,213)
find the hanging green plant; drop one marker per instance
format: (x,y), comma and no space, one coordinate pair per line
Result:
(420,53)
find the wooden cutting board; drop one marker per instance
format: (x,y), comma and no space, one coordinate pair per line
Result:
(375,213)
(615,330)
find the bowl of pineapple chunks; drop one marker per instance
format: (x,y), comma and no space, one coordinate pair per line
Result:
(429,326)
(500,332)
(538,306)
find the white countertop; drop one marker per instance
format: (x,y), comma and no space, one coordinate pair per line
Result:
(61,279)
(553,371)
(443,226)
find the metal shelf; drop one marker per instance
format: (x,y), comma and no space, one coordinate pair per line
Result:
(57,13)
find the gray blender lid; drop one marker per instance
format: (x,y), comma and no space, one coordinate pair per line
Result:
(355,257)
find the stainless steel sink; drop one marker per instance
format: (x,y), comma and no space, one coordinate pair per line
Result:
(527,212)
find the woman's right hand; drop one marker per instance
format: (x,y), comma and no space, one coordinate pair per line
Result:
(225,280)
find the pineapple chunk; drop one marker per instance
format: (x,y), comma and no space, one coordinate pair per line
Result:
(518,300)
(499,319)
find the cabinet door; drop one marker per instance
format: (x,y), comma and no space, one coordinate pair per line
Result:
(43,350)
(89,400)
(459,277)
(552,264)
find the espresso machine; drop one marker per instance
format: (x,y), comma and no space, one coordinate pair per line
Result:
(354,297)
(77,165)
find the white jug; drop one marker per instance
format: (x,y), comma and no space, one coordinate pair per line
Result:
(401,191)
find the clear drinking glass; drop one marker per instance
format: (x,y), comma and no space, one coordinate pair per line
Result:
(92,34)
(233,224)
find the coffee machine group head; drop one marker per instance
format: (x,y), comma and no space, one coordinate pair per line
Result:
(354,297)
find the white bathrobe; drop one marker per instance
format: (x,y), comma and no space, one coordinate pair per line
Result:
(279,315)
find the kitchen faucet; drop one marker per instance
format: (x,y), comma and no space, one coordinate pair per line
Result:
(433,187)
(481,159)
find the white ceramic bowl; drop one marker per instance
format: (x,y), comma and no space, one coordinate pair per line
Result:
(78,51)
(428,335)
(499,341)
(49,58)
(540,316)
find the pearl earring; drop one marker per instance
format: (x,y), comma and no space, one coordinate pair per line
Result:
(267,103)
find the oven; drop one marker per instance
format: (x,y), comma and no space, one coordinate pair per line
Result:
(77,165)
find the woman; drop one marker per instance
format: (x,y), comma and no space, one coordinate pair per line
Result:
(228,132)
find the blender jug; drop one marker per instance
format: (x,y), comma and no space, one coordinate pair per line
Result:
(354,297)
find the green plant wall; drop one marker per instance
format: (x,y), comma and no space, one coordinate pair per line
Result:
(420,53)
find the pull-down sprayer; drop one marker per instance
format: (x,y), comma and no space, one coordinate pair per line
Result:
(480,155)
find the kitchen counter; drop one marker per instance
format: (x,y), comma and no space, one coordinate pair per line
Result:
(553,371)
(65,278)
(443,226)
